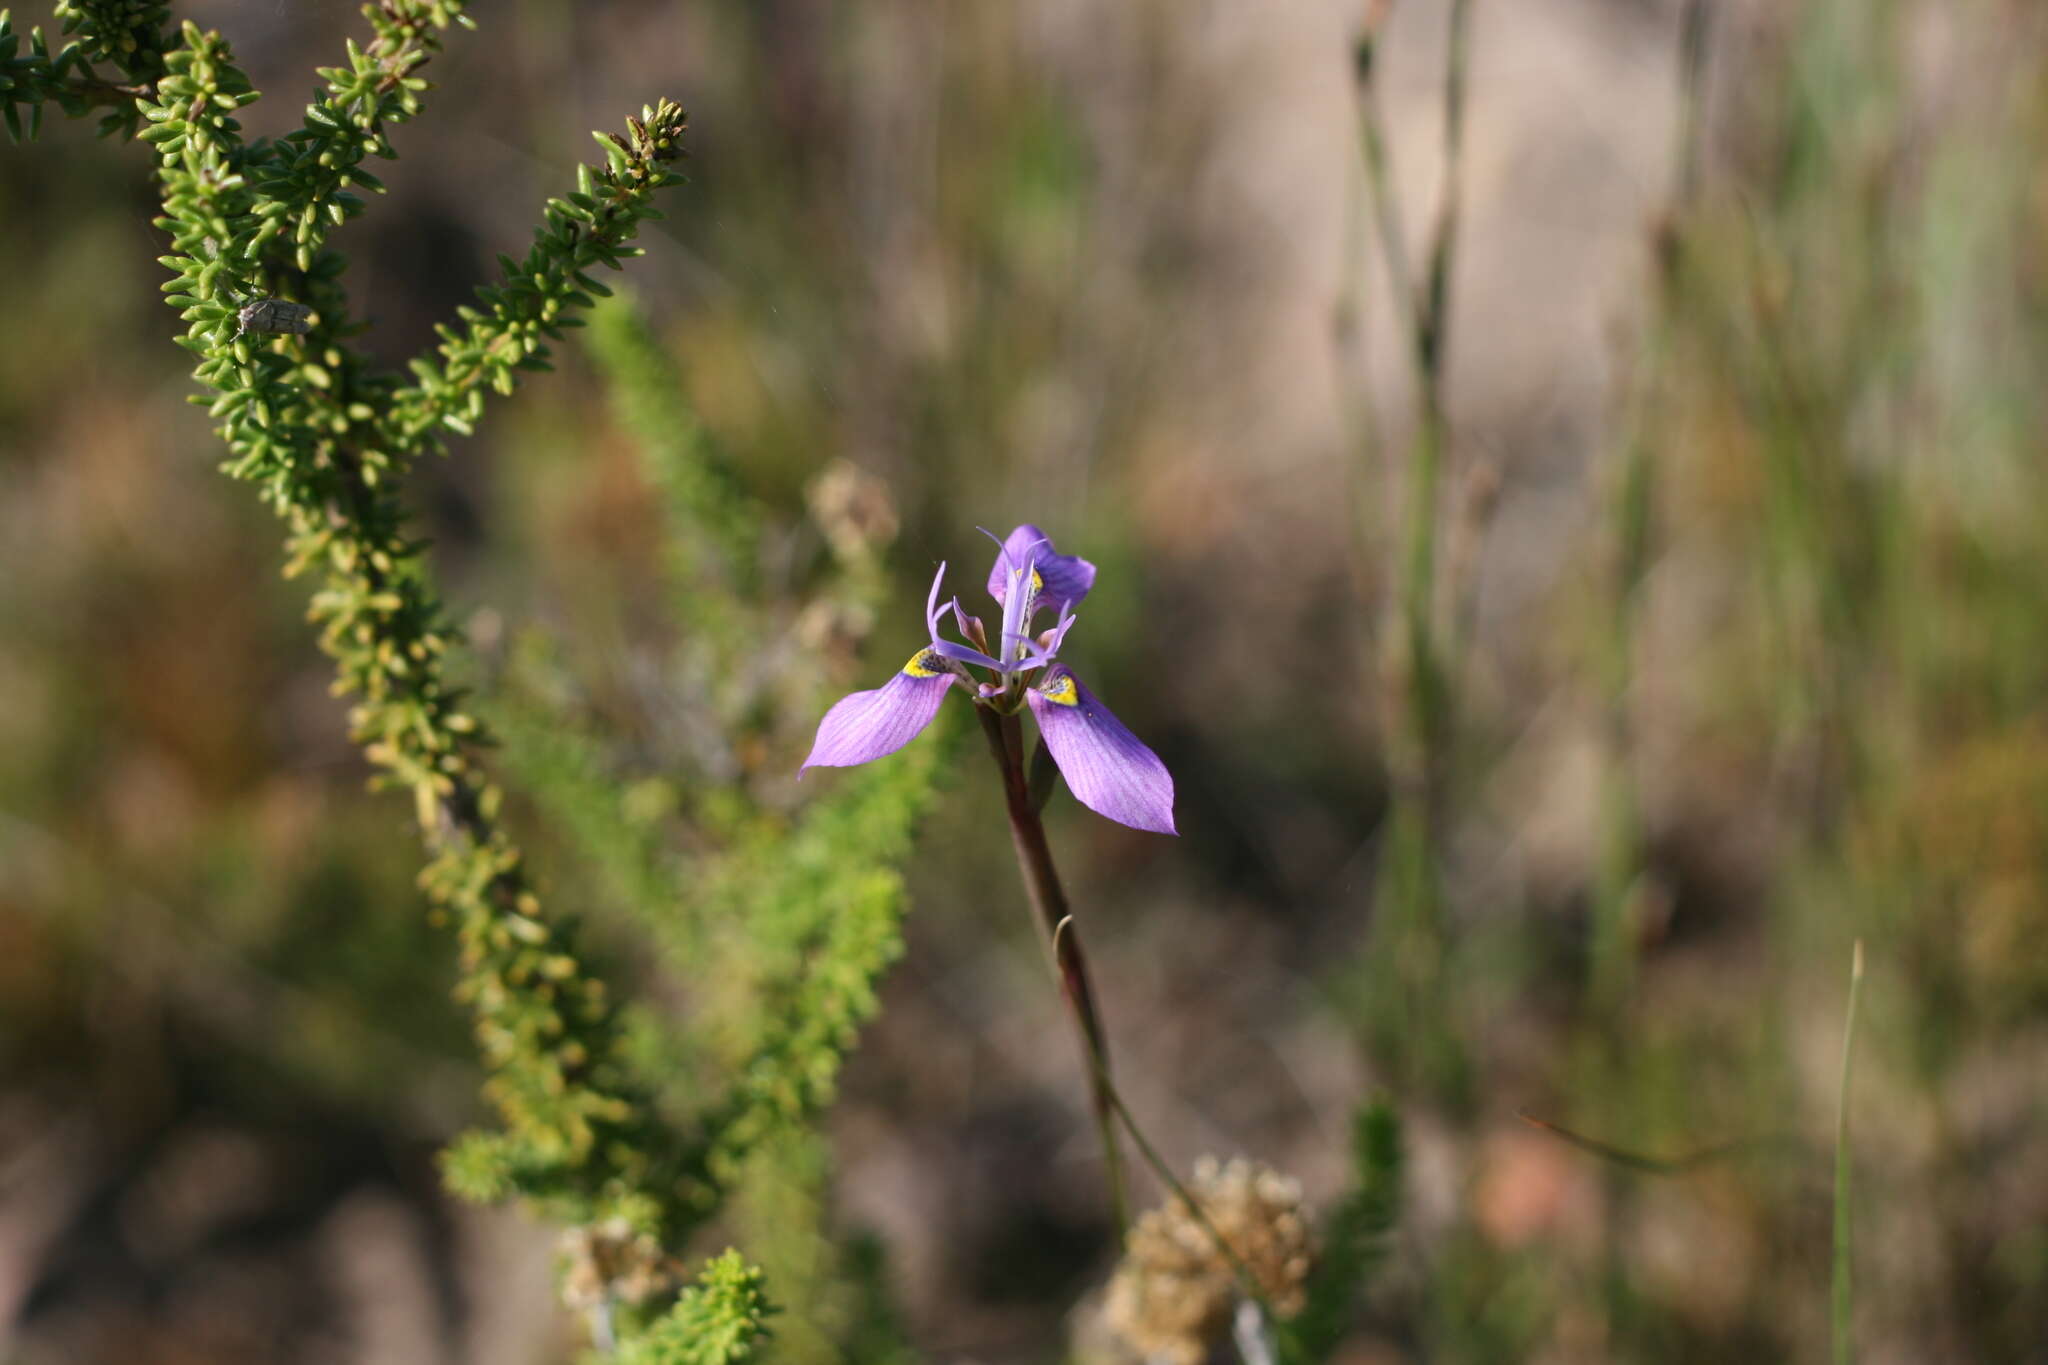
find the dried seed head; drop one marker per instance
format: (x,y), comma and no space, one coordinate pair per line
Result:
(612,1263)
(1171,1298)
(834,629)
(854,510)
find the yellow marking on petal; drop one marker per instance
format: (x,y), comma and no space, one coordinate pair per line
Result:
(1037,583)
(926,663)
(1061,691)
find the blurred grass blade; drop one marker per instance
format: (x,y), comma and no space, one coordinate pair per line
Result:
(1843,1290)
(1356,1237)
(1636,1161)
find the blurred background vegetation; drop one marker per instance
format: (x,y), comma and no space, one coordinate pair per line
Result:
(1740,533)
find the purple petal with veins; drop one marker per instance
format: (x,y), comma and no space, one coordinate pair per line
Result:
(1067,578)
(867,725)
(1106,766)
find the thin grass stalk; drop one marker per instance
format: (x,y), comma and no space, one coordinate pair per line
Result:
(1430,335)
(1619,875)
(1379,176)
(1421,672)
(1842,1289)
(1433,314)
(1098,1064)
(1847,158)
(1370,209)
(1695,28)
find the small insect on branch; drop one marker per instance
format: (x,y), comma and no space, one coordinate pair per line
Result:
(274,317)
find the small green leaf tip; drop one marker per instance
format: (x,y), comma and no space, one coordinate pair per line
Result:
(717,1321)
(1354,1238)
(124,35)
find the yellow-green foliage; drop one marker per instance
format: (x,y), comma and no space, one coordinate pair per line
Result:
(717,1321)
(1354,1238)
(326,438)
(781,921)
(805,912)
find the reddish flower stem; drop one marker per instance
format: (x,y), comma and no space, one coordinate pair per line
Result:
(1058,932)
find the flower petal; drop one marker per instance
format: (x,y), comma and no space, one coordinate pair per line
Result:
(867,725)
(1067,578)
(1106,767)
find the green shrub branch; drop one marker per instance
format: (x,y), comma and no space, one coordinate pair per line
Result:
(326,440)
(127,35)
(306,179)
(717,1321)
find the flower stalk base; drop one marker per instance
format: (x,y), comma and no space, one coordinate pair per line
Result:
(1058,932)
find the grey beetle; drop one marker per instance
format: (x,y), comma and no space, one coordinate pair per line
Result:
(274,316)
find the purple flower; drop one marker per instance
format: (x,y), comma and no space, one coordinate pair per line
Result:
(1106,766)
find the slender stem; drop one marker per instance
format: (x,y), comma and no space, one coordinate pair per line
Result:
(1694,30)
(604,1336)
(1372,217)
(1099,1066)
(1621,886)
(1842,1296)
(93,90)
(1433,313)
(1432,355)
(1419,651)
(1621,854)
(1057,932)
(1379,175)
(1252,1329)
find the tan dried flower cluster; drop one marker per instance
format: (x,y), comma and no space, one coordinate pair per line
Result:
(854,510)
(1172,1296)
(613,1263)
